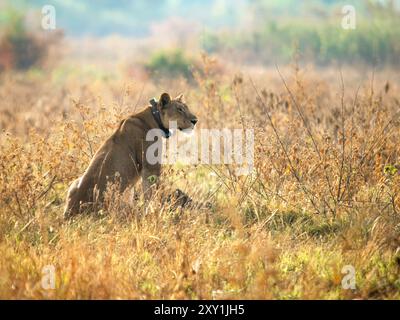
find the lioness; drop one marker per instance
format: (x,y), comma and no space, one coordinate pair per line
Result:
(122,157)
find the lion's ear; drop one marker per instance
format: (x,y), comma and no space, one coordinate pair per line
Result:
(165,99)
(179,98)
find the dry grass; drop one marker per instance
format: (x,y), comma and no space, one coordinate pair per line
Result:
(324,192)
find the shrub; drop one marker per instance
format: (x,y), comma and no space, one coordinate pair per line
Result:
(19,48)
(375,40)
(170,63)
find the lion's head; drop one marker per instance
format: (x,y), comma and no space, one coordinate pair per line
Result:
(176,110)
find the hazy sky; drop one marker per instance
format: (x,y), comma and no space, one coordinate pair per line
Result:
(135,17)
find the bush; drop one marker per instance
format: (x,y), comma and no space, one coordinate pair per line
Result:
(20,49)
(170,63)
(374,40)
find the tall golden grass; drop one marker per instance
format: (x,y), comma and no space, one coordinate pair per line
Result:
(324,192)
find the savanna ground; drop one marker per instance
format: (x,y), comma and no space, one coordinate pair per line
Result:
(324,193)
(323,198)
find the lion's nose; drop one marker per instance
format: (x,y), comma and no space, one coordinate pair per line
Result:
(194,121)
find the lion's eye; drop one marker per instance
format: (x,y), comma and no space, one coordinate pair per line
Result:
(180,110)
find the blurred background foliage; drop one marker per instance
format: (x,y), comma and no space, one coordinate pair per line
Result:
(246,31)
(170,63)
(21,47)
(312,29)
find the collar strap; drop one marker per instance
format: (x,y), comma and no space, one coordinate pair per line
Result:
(157,117)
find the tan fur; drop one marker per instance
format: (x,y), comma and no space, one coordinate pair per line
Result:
(122,159)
